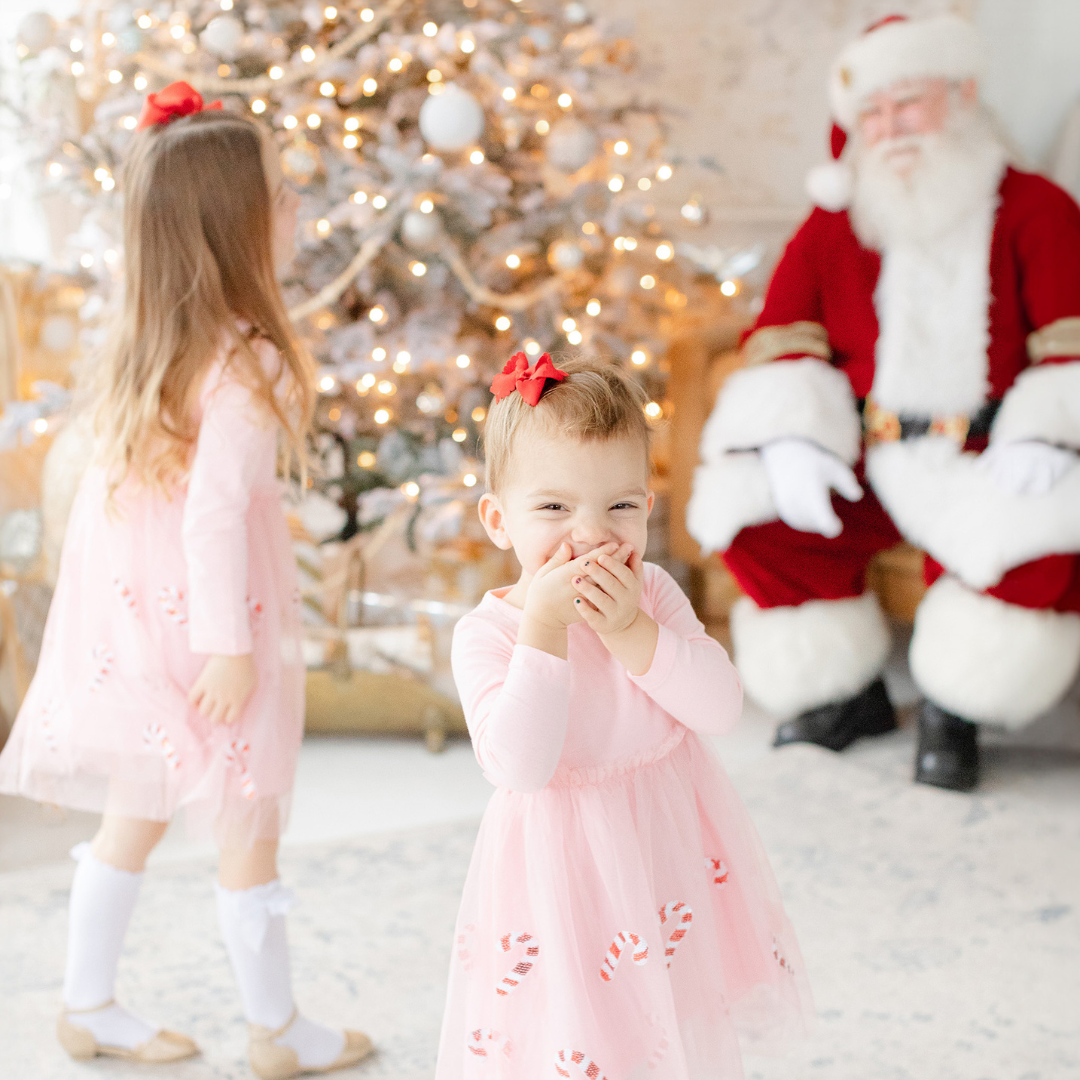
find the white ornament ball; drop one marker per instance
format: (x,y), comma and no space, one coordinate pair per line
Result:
(420,230)
(830,185)
(576,13)
(451,120)
(222,36)
(565,256)
(36,32)
(571,145)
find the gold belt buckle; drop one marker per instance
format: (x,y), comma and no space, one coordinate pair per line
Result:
(952,427)
(879,424)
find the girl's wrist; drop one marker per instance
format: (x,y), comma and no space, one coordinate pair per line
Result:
(549,637)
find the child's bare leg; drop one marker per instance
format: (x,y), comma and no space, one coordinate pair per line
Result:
(251,904)
(103,896)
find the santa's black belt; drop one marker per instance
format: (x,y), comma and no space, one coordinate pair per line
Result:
(880,425)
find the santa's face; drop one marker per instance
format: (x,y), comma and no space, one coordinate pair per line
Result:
(897,119)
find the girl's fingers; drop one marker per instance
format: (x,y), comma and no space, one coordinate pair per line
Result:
(619,570)
(636,565)
(594,594)
(587,612)
(604,579)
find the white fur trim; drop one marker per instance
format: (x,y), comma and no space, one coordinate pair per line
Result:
(943,502)
(830,185)
(729,494)
(792,659)
(1043,403)
(944,46)
(933,309)
(805,398)
(983,659)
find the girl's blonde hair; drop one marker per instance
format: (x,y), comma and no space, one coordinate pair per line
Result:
(597,400)
(198,247)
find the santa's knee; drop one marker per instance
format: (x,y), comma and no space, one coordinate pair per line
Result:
(796,658)
(989,661)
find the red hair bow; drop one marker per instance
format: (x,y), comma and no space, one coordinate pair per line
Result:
(529,382)
(177,99)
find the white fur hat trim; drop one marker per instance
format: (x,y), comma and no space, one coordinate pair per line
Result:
(944,46)
(830,185)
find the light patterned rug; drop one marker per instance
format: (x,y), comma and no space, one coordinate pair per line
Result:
(941,932)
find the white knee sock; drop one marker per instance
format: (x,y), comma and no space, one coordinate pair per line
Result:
(253,926)
(102,900)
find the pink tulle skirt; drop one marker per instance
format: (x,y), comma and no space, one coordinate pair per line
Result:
(622,923)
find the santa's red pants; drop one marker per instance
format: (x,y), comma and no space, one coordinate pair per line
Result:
(777,566)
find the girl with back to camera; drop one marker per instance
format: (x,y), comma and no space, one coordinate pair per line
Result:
(620,919)
(170,675)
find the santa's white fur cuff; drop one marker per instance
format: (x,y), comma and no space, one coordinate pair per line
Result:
(792,659)
(729,494)
(805,398)
(986,660)
(1043,403)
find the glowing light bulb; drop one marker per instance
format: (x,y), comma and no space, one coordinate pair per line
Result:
(509,93)
(648,282)
(460,435)
(565,101)
(622,148)
(41,425)
(75,45)
(729,288)
(307,54)
(502,323)
(55,168)
(379,201)
(370,86)
(395,64)
(289,122)
(129,122)
(430,29)
(574,337)
(478,414)
(419,269)
(513,261)
(532,347)
(140,82)
(653,410)
(542,127)
(108,184)
(434,75)
(463,361)
(664,172)
(86,261)
(381,416)
(115,76)
(330,13)
(665,252)
(77,68)
(366,460)
(359,197)
(377,313)
(378,354)
(426,206)
(352,123)
(350,142)
(258,106)
(412,489)
(644,183)
(615,183)
(477,157)
(314,120)
(469,479)
(639,357)
(367,15)
(568,325)
(145,22)
(275,72)
(327,89)
(178,32)
(593,307)
(327,383)
(467,45)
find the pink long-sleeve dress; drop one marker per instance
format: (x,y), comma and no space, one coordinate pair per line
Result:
(620,918)
(147,589)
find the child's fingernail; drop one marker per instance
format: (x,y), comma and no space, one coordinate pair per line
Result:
(586,562)
(578,600)
(577,581)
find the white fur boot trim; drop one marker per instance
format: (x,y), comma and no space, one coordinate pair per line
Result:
(987,660)
(792,659)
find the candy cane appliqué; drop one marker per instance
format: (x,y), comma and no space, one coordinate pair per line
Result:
(127,597)
(483,1041)
(156,735)
(623,938)
(172,603)
(102,658)
(236,754)
(718,871)
(512,979)
(781,959)
(565,1058)
(683,918)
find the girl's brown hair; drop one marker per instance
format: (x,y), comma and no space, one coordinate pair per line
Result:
(597,400)
(198,248)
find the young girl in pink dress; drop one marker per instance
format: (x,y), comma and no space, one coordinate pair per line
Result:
(620,919)
(170,675)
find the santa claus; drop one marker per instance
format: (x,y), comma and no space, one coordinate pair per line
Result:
(914,374)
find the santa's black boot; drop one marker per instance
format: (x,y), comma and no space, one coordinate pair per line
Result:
(948,753)
(839,723)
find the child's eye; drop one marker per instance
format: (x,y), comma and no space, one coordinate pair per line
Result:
(625,506)
(552,506)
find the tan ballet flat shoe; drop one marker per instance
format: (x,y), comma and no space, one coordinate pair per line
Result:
(161,1049)
(269,1061)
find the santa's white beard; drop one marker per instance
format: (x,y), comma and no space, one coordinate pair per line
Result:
(952,174)
(933,226)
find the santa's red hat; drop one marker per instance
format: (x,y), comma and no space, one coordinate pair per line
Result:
(896,48)
(893,49)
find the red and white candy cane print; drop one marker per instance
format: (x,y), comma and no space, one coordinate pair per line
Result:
(255,610)
(512,979)
(683,917)
(156,735)
(172,603)
(236,754)
(718,871)
(127,597)
(483,1040)
(102,660)
(781,959)
(623,938)
(565,1058)
(463,953)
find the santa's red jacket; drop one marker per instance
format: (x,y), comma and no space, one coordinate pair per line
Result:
(811,362)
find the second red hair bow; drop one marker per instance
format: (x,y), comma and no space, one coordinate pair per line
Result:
(176,100)
(529,382)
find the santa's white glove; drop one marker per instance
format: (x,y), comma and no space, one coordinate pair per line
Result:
(1027,467)
(801,476)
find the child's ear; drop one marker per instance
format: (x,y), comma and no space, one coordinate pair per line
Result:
(491,517)
(651,500)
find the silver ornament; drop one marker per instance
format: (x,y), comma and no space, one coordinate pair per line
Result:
(421,231)
(571,145)
(36,32)
(451,120)
(565,256)
(222,36)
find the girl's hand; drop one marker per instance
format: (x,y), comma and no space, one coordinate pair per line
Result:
(610,590)
(223,688)
(551,595)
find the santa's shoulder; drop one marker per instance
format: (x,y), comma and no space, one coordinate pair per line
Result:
(1027,195)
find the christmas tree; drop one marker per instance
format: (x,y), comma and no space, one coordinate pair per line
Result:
(478,177)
